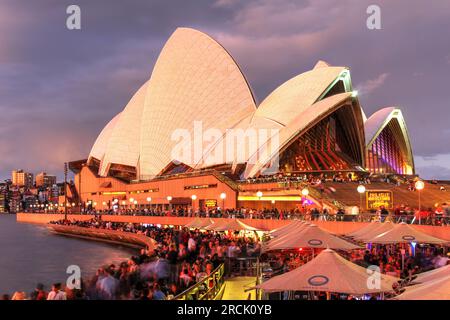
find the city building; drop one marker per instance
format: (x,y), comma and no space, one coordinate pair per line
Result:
(21,178)
(4,199)
(154,152)
(45,180)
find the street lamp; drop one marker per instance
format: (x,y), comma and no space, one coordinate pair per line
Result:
(193,197)
(305,192)
(419,186)
(169,198)
(361,189)
(259,194)
(223,196)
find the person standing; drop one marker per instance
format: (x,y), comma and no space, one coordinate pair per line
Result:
(38,293)
(57,293)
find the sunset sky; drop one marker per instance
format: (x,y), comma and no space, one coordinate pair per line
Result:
(58,88)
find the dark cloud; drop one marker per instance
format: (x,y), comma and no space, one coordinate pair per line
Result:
(434,172)
(58,88)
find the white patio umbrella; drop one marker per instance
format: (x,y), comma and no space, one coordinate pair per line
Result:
(295,230)
(381,228)
(216,223)
(432,275)
(438,289)
(234,224)
(330,272)
(199,223)
(404,233)
(311,236)
(286,228)
(364,230)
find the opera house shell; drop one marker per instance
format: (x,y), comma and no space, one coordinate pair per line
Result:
(315,118)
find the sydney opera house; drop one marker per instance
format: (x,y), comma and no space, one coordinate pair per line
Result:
(311,124)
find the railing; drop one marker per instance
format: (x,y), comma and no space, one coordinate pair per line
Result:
(208,288)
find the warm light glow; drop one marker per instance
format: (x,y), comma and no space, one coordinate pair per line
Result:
(361,189)
(131,200)
(95,204)
(149,199)
(273,201)
(259,194)
(420,185)
(305,192)
(104,203)
(123,202)
(223,195)
(135,202)
(194,197)
(270,198)
(354,93)
(169,198)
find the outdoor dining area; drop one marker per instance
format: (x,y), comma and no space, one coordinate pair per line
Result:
(305,261)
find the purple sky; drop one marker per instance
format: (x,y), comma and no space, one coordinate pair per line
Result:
(58,88)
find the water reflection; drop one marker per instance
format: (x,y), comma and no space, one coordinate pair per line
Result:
(30,254)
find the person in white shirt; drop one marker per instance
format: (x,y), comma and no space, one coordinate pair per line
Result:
(56,293)
(191,244)
(108,286)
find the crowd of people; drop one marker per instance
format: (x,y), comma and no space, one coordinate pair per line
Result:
(181,258)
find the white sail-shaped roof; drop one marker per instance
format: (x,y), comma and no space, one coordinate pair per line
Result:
(375,124)
(298,93)
(194,79)
(101,143)
(124,141)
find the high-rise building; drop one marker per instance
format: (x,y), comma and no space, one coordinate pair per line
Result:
(4,207)
(45,180)
(21,178)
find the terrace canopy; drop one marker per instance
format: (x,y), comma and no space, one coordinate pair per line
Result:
(311,236)
(432,290)
(331,273)
(404,233)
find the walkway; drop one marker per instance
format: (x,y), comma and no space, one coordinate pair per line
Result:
(235,288)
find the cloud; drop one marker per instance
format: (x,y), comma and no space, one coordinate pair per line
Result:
(434,172)
(371,85)
(225,3)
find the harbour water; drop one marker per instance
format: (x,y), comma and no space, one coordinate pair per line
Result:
(30,254)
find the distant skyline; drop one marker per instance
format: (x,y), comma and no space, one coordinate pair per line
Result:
(59,88)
